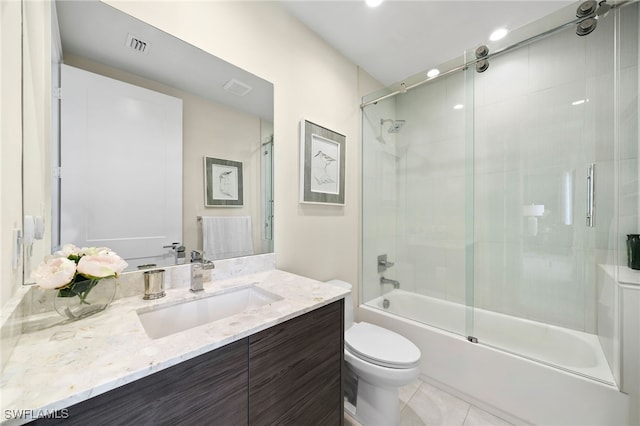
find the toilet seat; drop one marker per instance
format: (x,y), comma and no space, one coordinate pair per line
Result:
(381,347)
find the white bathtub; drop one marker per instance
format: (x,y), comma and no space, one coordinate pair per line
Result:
(521,388)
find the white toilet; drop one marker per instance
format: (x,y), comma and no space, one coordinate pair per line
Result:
(382,361)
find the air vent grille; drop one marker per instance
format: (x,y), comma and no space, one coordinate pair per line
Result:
(137,44)
(237,87)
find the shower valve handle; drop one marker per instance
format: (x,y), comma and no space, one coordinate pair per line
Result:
(383,264)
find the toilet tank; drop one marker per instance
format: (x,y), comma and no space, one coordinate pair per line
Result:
(348,302)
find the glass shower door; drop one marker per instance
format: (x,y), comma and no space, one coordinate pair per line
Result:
(543,138)
(414,203)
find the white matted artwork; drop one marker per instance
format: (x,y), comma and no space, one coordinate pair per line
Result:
(322,165)
(222,182)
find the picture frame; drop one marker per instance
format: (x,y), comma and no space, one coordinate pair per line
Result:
(322,165)
(223,185)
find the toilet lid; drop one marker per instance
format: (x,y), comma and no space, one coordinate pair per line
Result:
(381,346)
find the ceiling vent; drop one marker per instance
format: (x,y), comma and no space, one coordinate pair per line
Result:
(137,44)
(237,87)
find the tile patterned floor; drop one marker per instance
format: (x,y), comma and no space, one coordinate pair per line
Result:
(422,404)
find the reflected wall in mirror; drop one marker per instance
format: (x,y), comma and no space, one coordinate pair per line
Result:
(226,112)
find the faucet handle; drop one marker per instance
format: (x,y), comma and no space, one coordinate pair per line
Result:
(173,246)
(196,256)
(383,263)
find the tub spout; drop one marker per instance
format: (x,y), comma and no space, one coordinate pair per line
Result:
(383,280)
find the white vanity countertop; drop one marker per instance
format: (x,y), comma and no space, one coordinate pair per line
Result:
(62,365)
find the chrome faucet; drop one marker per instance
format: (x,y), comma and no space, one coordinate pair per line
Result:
(383,280)
(179,252)
(198,264)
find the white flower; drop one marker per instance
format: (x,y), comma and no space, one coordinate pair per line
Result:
(92,251)
(68,250)
(55,272)
(101,265)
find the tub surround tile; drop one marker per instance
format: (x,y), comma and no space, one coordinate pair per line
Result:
(61,365)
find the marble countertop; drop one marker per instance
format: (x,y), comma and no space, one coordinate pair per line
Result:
(57,366)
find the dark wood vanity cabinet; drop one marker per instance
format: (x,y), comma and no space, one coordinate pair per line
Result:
(208,389)
(295,370)
(289,374)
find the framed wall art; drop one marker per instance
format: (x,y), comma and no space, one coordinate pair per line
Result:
(322,165)
(222,183)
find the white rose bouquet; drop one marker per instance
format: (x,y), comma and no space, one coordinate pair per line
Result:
(76,271)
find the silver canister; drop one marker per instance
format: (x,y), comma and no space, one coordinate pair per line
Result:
(153,284)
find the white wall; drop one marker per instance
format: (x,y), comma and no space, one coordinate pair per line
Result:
(10,144)
(36,110)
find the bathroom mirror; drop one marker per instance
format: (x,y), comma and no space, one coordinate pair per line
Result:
(227,113)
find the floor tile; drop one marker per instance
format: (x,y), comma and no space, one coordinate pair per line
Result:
(478,417)
(350,421)
(406,392)
(434,407)
(422,404)
(408,417)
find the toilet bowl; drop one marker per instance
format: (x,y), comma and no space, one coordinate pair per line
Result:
(381,361)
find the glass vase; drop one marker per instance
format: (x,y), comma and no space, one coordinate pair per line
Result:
(85,298)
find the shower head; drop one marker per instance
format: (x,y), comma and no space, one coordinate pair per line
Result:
(396,125)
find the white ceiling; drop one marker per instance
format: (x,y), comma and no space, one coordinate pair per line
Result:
(401,38)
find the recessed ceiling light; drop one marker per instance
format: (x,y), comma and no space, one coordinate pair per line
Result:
(432,73)
(498,34)
(458,106)
(373,3)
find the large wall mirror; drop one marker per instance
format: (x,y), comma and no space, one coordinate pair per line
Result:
(150,138)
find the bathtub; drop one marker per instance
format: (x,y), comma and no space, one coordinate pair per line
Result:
(542,374)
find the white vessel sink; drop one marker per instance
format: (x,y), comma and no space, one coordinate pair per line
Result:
(172,319)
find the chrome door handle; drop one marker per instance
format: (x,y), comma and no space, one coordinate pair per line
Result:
(591,200)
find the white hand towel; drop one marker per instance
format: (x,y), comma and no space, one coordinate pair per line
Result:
(225,237)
